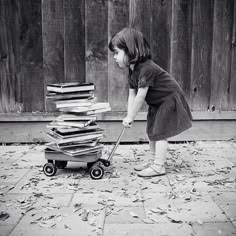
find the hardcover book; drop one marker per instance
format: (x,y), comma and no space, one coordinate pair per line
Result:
(70,87)
(99,107)
(74,151)
(79,94)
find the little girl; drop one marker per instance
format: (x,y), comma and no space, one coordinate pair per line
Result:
(168,112)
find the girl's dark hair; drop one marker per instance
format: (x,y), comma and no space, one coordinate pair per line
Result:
(133,43)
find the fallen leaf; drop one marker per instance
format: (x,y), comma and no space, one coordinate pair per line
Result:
(199,222)
(147,221)
(133,214)
(92,221)
(67,227)
(174,220)
(4,215)
(85,215)
(155,181)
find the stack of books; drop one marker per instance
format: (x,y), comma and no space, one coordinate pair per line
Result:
(75,131)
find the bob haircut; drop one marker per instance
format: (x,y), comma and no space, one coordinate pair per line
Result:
(133,43)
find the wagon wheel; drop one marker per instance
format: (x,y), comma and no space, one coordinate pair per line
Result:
(61,164)
(49,169)
(96,172)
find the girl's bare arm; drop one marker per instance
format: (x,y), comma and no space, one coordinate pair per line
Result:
(131,98)
(137,103)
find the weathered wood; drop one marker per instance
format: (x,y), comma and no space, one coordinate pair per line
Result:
(139,16)
(112,116)
(161,32)
(10,83)
(201,54)
(53,43)
(71,28)
(31,55)
(181,43)
(96,23)
(117,77)
(27,132)
(232,88)
(74,38)
(221,54)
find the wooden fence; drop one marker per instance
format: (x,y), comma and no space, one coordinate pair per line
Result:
(50,41)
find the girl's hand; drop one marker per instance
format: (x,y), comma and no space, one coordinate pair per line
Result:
(127,122)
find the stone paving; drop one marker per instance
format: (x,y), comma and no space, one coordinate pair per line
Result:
(196,197)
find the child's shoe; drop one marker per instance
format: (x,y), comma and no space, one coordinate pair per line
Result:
(141,166)
(152,171)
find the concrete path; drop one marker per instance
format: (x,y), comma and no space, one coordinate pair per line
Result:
(196,197)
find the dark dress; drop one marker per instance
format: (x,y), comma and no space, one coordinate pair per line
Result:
(168,112)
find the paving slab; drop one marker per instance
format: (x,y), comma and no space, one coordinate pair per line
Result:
(230,211)
(147,230)
(224,198)
(14,214)
(36,181)
(214,229)
(6,187)
(155,184)
(6,229)
(118,198)
(6,160)
(186,208)
(202,182)
(12,175)
(63,221)
(197,193)
(125,215)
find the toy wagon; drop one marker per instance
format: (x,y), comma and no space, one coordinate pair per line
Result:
(58,160)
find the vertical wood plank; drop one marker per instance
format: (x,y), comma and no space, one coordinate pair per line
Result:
(96,26)
(118,18)
(201,54)
(53,42)
(161,32)
(10,84)
(232,91)
(74,37)
(180,66)
(31,54)
(140,18)
(221,54)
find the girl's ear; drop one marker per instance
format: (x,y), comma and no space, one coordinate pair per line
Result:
(126,60)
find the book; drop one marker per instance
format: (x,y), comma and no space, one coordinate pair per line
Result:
(74,151)
(74,116)
(79,94)
(75,102)
(94,112)
(91,142)
(71,124)
(75,129)
(102,106)
(84,138)
(70,87)
(60,135)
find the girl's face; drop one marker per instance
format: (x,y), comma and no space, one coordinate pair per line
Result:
(120,57)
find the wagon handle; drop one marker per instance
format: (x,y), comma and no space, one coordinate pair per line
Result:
(117,144)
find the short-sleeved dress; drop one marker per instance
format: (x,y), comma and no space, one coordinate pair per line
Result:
(168,112)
